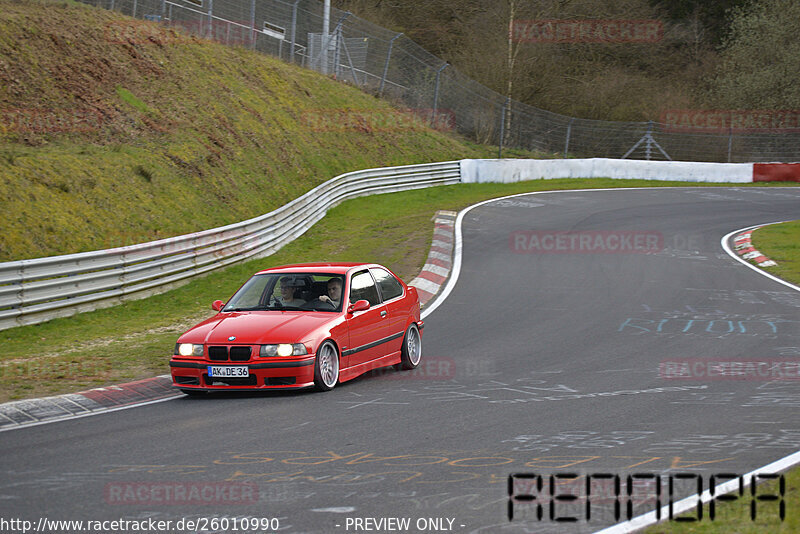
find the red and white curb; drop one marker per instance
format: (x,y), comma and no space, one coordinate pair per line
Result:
(32,412)
(743,246)
(440,258)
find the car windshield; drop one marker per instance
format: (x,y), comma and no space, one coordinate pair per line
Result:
(289,291)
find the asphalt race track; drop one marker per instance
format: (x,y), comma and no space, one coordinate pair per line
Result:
(548,357)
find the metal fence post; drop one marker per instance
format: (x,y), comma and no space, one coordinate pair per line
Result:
(730,138)
(210,19)
(502,130)
(337,52)
(386,65)
(326,24)
(294,26)
(253,24)
(730,142)
(436,94)
(569,131)
(649,142)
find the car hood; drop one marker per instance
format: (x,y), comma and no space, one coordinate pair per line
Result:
(258,327)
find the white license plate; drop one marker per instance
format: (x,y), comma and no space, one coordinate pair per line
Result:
(227,371)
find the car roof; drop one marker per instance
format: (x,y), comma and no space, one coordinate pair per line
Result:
(332,267)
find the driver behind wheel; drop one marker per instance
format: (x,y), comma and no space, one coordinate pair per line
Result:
(334,296)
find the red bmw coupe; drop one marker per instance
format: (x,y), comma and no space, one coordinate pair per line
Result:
(298,326)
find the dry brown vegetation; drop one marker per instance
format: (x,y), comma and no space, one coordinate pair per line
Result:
(716,54)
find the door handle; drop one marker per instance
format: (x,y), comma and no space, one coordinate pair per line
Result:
(383,313)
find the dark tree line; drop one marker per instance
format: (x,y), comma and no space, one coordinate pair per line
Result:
(713,53)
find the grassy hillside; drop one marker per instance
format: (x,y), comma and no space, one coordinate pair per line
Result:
(115,131)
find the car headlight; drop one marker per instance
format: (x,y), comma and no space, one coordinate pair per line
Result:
(188,349)
(282,349)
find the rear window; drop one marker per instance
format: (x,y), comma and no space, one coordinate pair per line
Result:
(362,287)
(389,285)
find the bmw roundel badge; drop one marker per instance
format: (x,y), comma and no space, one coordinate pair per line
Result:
(232,338)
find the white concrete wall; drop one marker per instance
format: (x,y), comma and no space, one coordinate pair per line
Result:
(516,170)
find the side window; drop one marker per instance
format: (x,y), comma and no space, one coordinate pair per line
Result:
(390,287)
(362,287)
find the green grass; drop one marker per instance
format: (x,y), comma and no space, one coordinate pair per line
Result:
(781,243)
(129,98)
(734,517)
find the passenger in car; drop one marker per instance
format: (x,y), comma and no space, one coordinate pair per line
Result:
(288,288)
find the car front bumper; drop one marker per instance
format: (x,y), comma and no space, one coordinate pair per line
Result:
(267,373)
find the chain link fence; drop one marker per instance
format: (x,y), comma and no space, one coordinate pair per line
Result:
(390,65)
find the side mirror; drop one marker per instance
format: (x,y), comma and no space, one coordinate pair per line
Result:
(217,305)
(359,305)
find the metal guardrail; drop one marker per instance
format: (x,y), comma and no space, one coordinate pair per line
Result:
(37,290)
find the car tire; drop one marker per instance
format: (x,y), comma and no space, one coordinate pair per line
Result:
(326,367)
(411,353)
